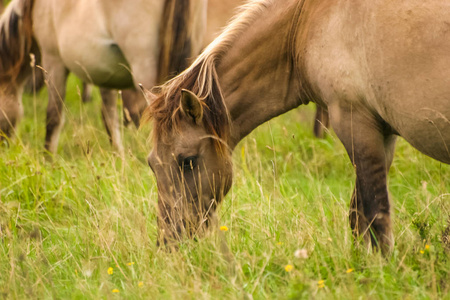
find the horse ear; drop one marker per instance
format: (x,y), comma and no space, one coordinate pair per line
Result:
(191,106)
(149,96)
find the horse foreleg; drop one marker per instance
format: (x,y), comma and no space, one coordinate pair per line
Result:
(134,105)
(35,83)
(110,118)
(56,75)
(321,121)
(143,63)
(86,94)
(358,222)
(371,152)
(11,110)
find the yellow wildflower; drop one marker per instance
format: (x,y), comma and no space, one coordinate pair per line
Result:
(130,263)
(427,246)
(422,252)
(223,228)
(110,270)
(349,270)
(115,291)
(288,268)
(140,283)
(321,284)
(279,243)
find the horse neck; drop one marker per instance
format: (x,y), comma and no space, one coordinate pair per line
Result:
(256,74)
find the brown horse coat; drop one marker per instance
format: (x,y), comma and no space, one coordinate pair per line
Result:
(382,68)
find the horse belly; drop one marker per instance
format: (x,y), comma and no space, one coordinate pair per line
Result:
(76,32)
(427,129)
(101,63)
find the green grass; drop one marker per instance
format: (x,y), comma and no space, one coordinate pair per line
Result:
(64,223)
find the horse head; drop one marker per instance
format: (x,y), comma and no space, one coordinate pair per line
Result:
(16,44)
(190,158)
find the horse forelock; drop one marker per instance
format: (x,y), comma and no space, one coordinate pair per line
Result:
(16,36)
(165,111)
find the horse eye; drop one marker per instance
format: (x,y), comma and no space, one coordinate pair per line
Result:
(189,163)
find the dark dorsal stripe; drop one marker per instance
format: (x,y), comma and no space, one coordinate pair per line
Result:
(175,40)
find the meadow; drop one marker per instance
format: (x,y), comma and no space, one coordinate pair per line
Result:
(83,224)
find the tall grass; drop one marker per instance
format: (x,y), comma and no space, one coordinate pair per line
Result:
(65,222)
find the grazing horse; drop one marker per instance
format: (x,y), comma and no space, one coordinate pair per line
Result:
(381,68)
(115,44)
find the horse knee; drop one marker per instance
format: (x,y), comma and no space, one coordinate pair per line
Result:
(134,105)
(10,115)
(357,219)
(132,115)
(86,95)
(381,224)
(55,119)
(357,222)
(137,114)
(321,122)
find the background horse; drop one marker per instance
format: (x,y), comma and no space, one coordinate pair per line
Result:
(380,67)
(113,44)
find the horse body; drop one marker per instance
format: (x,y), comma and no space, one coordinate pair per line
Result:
(390,63)
(57,25)
(381,69)
(113,44)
